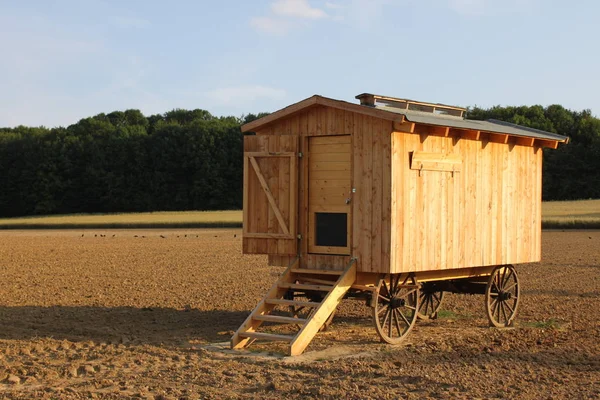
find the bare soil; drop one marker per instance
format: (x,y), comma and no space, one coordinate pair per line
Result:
(106,314)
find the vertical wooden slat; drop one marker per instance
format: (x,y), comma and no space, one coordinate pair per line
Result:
(358,185)
(376,193)
(366,197)
(386,196)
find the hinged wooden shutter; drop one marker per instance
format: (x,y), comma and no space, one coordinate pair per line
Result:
(270,194)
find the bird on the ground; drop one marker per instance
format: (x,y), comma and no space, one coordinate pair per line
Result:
(164,237)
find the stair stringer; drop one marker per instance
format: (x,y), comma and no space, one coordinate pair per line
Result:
(328,305)
(251,324)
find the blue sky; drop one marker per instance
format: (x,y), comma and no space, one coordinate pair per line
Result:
(63,60)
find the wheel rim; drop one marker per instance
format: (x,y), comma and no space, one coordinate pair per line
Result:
(502,296)
(395,310)
(430,302)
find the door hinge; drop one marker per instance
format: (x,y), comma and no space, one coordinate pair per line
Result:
(300,155)
(299,236)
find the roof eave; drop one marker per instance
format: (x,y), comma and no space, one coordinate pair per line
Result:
(323,101)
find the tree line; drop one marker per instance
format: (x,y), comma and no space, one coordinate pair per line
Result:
(191,160)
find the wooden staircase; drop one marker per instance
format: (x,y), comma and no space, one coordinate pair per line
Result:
(329,285)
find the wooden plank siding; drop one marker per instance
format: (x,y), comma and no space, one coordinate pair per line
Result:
(486,212)
(278,173)
(371,160)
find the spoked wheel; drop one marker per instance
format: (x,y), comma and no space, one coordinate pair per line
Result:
(430,301)
(502,296)
(395,310)
(305,312)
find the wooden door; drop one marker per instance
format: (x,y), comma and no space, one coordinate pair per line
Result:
(270,194)
(329,194)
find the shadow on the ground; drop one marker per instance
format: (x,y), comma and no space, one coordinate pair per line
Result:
(118,324)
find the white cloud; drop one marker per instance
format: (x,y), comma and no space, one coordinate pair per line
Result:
(270,25)
(297,8)
(285,15)
(490,7)
(333,6)
(237,95)
(130,22)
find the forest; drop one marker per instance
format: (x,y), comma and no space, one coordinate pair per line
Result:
(191,160)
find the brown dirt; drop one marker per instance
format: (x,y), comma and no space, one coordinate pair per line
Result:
(112,317)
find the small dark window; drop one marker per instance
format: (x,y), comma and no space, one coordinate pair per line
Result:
(332,229)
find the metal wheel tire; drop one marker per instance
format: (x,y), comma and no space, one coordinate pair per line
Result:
(429,302)
(502,296)
(395,309)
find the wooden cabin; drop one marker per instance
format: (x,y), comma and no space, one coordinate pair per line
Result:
(399,185)
(391,200)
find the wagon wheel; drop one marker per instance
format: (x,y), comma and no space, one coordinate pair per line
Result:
(502,296)
(395,310)
(430,301)
(305,312)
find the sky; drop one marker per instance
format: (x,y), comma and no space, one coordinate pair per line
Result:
(63,60)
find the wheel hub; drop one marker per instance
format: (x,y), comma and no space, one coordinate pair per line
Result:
(395,303)
(504,296)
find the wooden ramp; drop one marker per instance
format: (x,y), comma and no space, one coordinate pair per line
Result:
(324,288)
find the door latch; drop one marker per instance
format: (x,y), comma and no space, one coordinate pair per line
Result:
(348,200)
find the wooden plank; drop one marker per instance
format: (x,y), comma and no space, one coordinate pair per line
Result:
(329,166)
(524,141)
(315,271)
(293,192)
(366,195)
(279,319)
(292,303)
(330,183)
(552,144)
(331,157)
(266,336)
(266,235)
(331,148)
(322,313)
(397,202)
(404,126)
(498,138)
(310,279)
(241,337)
(330,139)
(377,194)
(386,197)
(270,198)
(261,122)
(300,286)
(424,161)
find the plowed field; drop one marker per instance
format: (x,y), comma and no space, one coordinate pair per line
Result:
(114,314)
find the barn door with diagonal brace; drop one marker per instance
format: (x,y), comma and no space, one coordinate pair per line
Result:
(270,194)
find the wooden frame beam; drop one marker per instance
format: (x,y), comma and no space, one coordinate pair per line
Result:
(404,126)
(552,144)
(498,137)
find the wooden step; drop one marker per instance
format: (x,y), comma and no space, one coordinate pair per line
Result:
(300,286)
(294,303)
(315,280)
(267,336)
(316,271)
(279,319)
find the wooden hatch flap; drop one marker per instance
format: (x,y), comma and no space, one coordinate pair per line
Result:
(447,162)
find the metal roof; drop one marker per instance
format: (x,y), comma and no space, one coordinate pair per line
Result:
(491,125)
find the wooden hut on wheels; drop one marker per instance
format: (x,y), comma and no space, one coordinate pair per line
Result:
(391,200)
